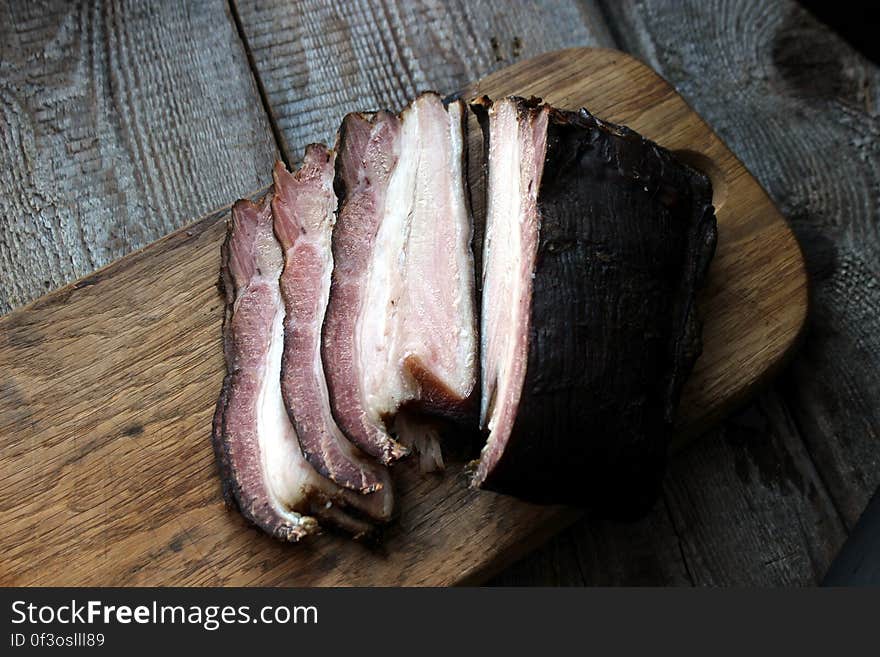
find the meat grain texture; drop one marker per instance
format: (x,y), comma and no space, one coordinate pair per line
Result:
(399,338)
(303,208)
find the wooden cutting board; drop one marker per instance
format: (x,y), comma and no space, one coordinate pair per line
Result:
(107,474)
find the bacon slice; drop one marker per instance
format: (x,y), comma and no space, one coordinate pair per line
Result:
(597,241)
(304,207)
(399,336)
(264,471)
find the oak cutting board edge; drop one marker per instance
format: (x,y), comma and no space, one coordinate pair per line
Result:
(107,474)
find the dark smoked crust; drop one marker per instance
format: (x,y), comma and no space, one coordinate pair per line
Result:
(593,426)
(226,289)
(700,245)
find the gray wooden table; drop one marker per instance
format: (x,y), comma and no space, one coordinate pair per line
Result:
(121,121)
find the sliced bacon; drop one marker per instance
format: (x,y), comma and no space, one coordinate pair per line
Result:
(304,207)
(400,331)
(265,473)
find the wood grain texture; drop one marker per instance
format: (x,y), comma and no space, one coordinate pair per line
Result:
(107,475)
(317,60)
(805,120)
(749,507)
(118,121)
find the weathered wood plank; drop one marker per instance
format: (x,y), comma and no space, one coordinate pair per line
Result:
(119,121)
(318,60)
(748,505)
(800,108)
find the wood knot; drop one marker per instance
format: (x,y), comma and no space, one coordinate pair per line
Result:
(811,61)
